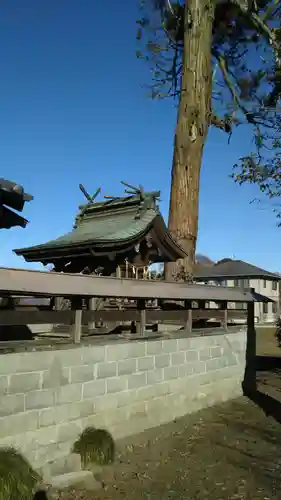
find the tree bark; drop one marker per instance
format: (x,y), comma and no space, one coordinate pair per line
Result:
(191,131)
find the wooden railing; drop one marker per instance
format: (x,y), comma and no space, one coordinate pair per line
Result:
(80,289)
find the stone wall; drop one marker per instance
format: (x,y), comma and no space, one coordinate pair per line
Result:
(48,397)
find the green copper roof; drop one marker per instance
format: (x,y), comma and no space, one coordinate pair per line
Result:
(109,226)
(103,229)
(113,220)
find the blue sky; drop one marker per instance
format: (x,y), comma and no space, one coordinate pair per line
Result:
(73,110)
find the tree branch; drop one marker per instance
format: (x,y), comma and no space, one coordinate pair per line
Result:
(259,23)
(223,124)
(270,10)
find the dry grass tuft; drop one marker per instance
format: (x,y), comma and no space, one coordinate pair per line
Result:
(95,446)
(17,478)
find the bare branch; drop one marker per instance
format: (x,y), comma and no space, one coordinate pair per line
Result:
(270,10)
(223,124)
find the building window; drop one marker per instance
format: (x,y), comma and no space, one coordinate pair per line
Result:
(264,283)
(265,307)
(274,285)
(274,307)
(245,283)
(241,305)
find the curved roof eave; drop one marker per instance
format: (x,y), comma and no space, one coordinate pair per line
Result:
(44,251)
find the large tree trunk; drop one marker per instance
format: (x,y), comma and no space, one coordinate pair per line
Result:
(191,131)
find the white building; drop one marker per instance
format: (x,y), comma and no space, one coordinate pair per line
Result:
(228,272)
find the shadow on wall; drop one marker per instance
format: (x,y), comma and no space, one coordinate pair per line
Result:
(10,333)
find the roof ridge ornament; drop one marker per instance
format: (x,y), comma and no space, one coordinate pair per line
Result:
(89,198)
(134,190)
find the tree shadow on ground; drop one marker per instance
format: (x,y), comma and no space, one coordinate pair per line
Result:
(252,445)
(271,365)
(264,369)
(270,405)
(265,468)
(268,363)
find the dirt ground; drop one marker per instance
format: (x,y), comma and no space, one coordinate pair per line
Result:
(230,451)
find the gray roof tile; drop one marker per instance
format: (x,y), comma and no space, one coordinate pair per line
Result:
(228,268)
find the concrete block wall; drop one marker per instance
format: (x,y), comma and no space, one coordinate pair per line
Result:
(48,397)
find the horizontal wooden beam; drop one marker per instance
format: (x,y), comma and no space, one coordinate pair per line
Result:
(42,283)
(197,314)
(111,316)
(14,318)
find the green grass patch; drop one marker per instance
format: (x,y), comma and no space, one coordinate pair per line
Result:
(17,478)
(95,446)
(266,330)
(278,332)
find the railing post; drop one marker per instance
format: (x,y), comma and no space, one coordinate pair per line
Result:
(57,303)
(249,382)
(118,272)
(127,269)
(76,305)
(225,317)
(188,322)
(141,324)
(76,333)
(92,302)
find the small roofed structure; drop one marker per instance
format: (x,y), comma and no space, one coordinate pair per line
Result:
(119,235)
(12,196)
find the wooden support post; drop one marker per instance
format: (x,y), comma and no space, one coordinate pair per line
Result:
(76,331)
(57,303)
(225,317)
(249,382)
(127,269)
(118,301)
(142,323)
(92,305)
(188,322)
(76,305)
(278,309)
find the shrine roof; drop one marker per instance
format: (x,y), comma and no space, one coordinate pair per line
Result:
(109,224)
(12,196)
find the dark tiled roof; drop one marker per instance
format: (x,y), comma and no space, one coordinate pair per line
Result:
(12,196)
(228,268)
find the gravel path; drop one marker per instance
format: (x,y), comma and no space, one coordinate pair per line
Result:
(230,451)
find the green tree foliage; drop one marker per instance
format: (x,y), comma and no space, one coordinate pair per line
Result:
(246,72)
(263,168)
